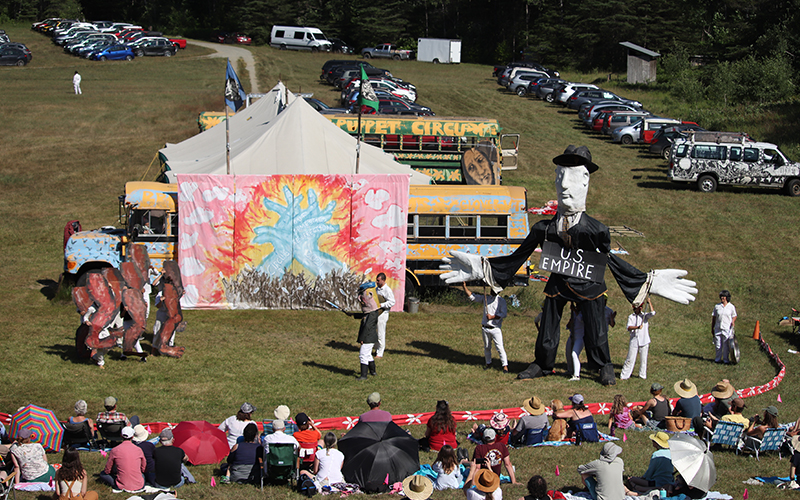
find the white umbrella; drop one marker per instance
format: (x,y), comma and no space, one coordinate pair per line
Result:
(693,460)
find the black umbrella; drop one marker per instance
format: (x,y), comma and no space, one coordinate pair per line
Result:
(373,450)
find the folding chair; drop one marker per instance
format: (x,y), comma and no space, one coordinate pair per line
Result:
(110,433)
(7,486)
(534,436)
(307,453)
(78,434)
(280,464)
(727,433)
(772,441)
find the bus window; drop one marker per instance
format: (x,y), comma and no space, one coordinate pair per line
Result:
(374,140)
(409,142)
(463,226)
(494,226)
(430,143)
(431,225)
(391,142)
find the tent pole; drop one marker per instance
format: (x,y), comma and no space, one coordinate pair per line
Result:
(227,142)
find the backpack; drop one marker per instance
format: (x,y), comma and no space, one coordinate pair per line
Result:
(306,486)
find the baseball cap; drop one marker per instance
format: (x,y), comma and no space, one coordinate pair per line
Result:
(127,432)
(576,399)
(110,401)
(166,435)
(489,435)
(301,419)
(24,434)
(374,398)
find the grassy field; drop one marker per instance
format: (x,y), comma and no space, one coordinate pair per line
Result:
(67,157)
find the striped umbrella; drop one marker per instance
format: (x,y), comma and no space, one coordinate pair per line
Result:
(43,424)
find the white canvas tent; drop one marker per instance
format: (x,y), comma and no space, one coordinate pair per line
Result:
(266,140)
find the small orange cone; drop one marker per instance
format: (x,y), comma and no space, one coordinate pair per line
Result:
(757,331)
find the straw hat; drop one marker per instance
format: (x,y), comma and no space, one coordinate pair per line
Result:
(486,480)
(533,406)
(723,390)
(685,388)
(417,487)
(796,443)
(660,438)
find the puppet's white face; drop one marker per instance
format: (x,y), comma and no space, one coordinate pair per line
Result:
(572,185)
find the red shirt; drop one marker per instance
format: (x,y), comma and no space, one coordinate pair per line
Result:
(438,439)
(130,464)
(494,454)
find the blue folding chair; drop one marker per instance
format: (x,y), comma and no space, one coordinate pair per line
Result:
(727,434)
(772,441)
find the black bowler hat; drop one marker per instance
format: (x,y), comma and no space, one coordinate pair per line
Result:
(575,156)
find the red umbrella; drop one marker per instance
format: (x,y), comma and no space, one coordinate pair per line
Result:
(202,442)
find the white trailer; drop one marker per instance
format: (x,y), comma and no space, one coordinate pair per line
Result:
(439,50)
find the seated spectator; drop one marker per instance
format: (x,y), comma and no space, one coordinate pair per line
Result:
(659,472)
(417,487)
(689,405)
(245,458)
(534,422)
(794,429)
(737,406)
(169,459)
(498,422)
(723,393)
(603,477)
(658,407)
(440,429)
(558,431)
(307,432)
(80,415)
(127,464)
(620,416)
(760,424)
(72,479)
(111,415)
(30,461)
(140,436)
(234,425)
(328,463)
(795,461)
(375,414)
(482,484)
(279,436)
(282,412)
(537,489)
(581,422)
(447,467)
(493,455)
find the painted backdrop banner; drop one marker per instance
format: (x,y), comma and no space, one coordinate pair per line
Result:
(290,241)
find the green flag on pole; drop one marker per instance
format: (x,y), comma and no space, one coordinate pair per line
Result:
(366,95)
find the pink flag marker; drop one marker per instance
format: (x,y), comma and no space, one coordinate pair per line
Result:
(558,473)
(746,496)
(624,437)
(103,452)
(213,482)
(779,399)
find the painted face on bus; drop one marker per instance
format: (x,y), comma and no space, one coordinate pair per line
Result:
(572,185)
(477,168)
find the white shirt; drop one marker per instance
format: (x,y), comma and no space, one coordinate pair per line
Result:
(475,494)
(278,437)
(233,428)
(330,466)
(387,295)
(724,318)
(493,305)
(642,334)
(76,80)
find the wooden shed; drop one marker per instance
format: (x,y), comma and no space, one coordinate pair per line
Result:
(641,63)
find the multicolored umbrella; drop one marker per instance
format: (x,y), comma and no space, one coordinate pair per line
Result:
(202,442)
(43,424)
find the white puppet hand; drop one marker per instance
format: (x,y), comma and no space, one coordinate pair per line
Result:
(461,267)
(669,283)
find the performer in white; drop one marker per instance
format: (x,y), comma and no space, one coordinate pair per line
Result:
(572,232)
(494,310)
(76,83)
(639,328)
(722,321)
(386,299)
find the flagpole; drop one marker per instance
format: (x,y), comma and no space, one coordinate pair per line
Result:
(358,137)
(227,136)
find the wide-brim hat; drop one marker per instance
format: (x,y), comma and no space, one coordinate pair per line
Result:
(660,438)
(723,390)
(247,408)
(417,487)
(282,412)
(486,480)
(610,452)
(685,388)
(796,443)
(140,433)
(533,406)
(499,421)
(575,156)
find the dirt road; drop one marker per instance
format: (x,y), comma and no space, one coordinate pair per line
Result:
(233,53)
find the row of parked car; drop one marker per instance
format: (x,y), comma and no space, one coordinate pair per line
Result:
(696,156)
(13,53)
(105,40)
(395,96)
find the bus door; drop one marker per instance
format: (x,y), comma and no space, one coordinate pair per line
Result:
(509,146)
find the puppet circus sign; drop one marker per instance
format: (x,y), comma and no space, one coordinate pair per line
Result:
(289,241)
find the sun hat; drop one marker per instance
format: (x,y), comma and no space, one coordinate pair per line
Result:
(660,438)
(576,399)
(499,421)
(772,410)
(723,390)
(374,398)
(610,452)
(738,403)
(417,487)
(533,406)
(301,419)
(796,443)
(81,407)
(685,388)
(24,433)
(576,156)
(166,435)
(486,480)
(140,433)
(247,408)
(110,401)
(282,412)
(656,387)
(489,435)
(127,432)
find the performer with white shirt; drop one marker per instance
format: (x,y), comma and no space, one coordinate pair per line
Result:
(386,299)
(639,328)
(722,321)
(494,310)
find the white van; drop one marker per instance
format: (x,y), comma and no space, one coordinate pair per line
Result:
(299,38)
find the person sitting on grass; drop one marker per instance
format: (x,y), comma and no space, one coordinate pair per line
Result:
(723,393)
(80,415)
(737,407)
(659,409)
(659,472)
(447,468)
(620,416)
(537,490)
(127,464)
(581,422)
(603,477)
(493,455)
(234,425)
(440,429)
(482,484)
(532,423)
(794,463)
(30,461)
(140,436)
(72,479)
(169,459)
(328,462)
(245,458)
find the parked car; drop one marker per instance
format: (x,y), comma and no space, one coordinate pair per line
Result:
(4,37)
(566,90)
(536,86)
(617,119)
(498,70)
(389,104)
(577,99)
(519,83)
(340,46)
(238,38)
(506,78)
(386,51)
(154,47)
(324,108)
(116,52)
(16,45)
(380,85)
(592,113)
(710,159)
(13,56)
(336,71)
(668,134)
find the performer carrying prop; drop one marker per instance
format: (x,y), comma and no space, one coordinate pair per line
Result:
(368,329)
(575,249)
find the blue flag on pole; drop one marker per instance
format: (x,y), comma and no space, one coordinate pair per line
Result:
(235,96)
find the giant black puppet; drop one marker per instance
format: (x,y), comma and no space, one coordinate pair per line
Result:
(575,248)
